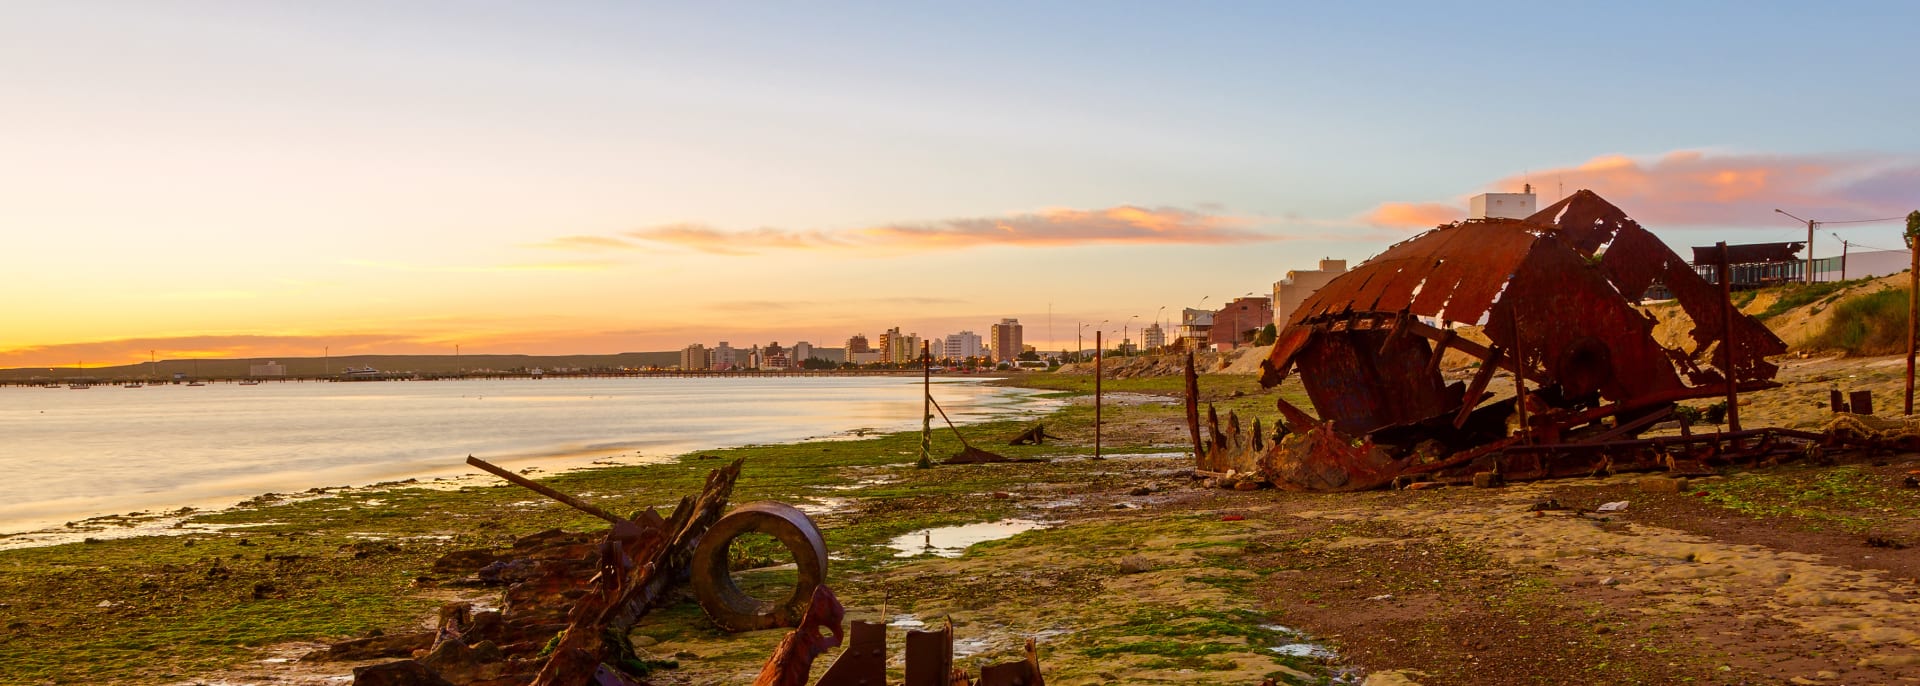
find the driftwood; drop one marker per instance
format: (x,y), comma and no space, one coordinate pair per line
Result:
(641,560)
(1035,436)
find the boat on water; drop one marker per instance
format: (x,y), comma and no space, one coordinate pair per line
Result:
(79,386)
(135,384)
(250,382)
(360,374)
(195,383)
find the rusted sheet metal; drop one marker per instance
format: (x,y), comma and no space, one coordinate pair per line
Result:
(1479,257)
(1749,253)
(1634,258)
(792,660)
(1555,293)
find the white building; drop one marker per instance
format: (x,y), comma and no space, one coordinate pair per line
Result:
(1290,292)
(268,369)
(960,346)
(723,357)
(800,353)
(1195,325)
(1153,336)
(1502,205)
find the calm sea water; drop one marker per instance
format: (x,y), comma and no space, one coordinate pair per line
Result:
(69,454)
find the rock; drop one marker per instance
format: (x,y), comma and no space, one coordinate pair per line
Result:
(1135,564)
(1609,581)
(1247,485)
(1383,596)
(1424,485)
(372,647)
(1661,484)
(1488,480)
(1140,490)
(464,561)
(402,673)
(457,662)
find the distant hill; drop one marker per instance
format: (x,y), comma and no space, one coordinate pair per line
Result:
(318,366)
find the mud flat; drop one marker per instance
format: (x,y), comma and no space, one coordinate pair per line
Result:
(1133,575)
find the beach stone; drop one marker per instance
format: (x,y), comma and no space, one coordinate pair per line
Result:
(1140,490)
(1248,485)
(1661,484)
(1487,480)
(372,647)
(464,561)
(402,673)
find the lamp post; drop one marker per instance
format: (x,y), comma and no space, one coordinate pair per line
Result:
(1123,334)
(1810,226)
(1079,343)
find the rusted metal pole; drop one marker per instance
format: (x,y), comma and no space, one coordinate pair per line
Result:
(531,485)
(1193,404)
(1726,335)
(1098,353)
(1519,376)
(926,406)
(1913,304)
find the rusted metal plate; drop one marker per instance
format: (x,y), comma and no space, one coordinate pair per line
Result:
(1557,292)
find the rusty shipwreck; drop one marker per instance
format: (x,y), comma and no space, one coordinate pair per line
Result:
(1555,295)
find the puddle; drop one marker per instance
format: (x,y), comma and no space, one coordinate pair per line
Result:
(952,541)
(815,507)
(1057,504)
(862,483)
(906,622)
(1312,650)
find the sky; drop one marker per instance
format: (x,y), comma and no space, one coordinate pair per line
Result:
(239,179)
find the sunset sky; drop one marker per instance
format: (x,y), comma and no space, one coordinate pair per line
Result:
(274,178)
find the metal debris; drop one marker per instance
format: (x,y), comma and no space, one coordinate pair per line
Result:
(590,596)
(1555,294)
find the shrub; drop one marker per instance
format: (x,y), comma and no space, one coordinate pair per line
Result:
(1871,324)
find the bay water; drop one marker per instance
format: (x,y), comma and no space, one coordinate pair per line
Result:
(69,454)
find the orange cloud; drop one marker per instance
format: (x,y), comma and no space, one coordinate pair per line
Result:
(134,350)
(1125,224)
(1696,188)
(1414,214)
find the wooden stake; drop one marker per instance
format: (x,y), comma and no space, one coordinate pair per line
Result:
(1726,337)
(1098,353)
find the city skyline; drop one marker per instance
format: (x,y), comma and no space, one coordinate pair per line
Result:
(258,180)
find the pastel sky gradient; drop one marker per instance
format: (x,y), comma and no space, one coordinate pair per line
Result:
(271,178)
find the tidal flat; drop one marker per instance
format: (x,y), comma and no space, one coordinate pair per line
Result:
(1131,573)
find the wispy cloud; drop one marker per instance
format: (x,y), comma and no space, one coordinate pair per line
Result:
(586,243)
(1698,188)
(1125,224)
(572,266)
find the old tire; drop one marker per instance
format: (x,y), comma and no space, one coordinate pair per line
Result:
(734,610)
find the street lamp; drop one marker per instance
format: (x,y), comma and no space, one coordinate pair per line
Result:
(1123,334)
(1810,226)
